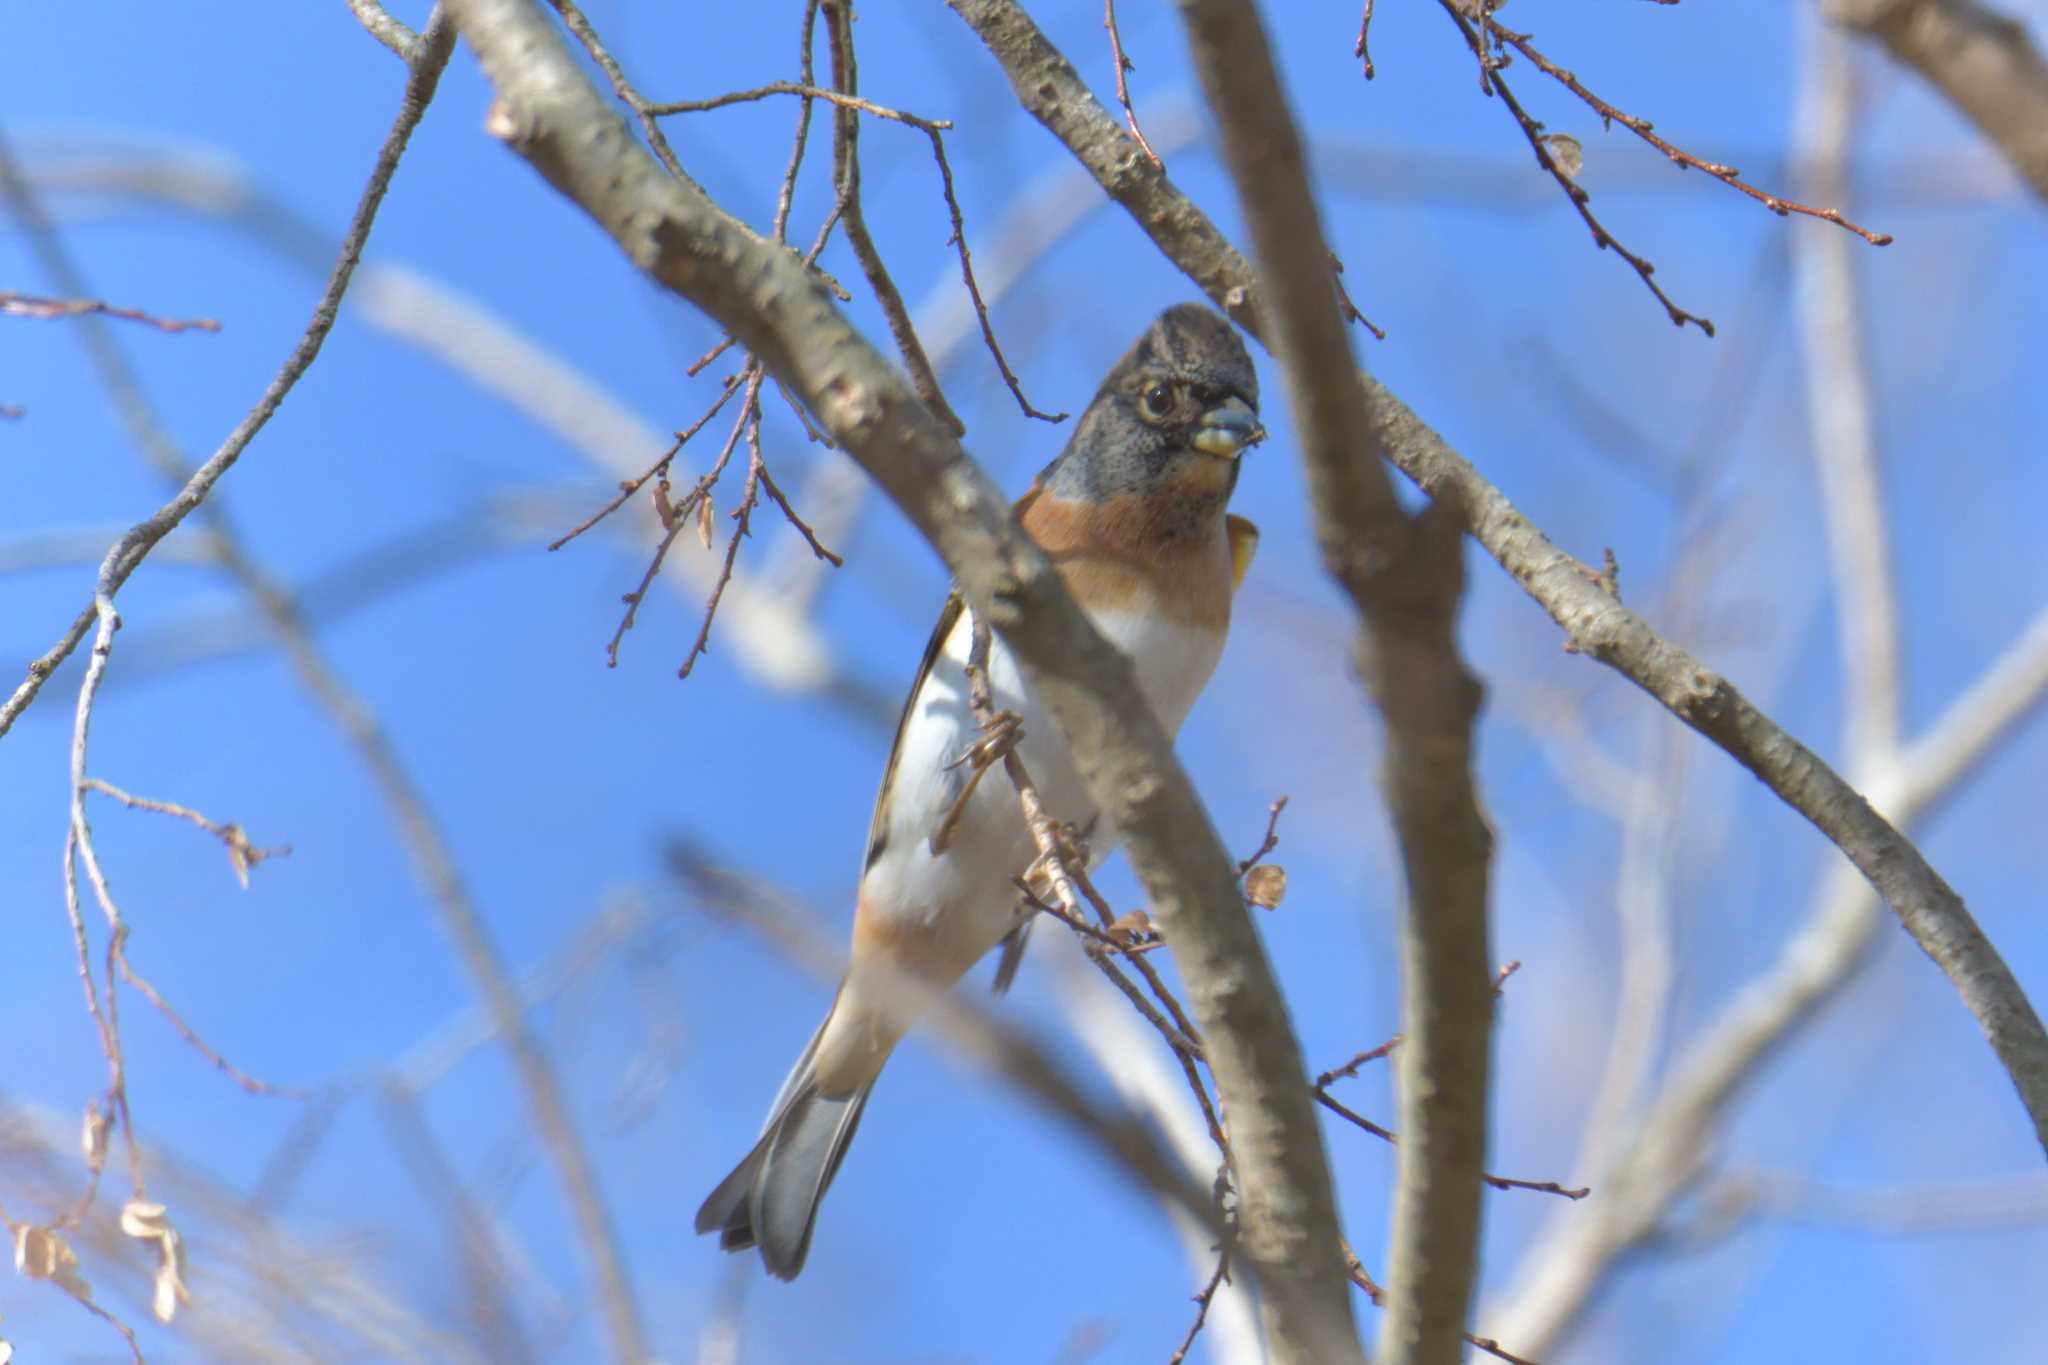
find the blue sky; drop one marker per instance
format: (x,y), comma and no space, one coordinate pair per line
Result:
(963,1228)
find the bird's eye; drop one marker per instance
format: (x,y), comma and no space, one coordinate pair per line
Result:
(1156,402)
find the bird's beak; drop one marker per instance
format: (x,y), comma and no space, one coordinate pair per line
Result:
(1227,428)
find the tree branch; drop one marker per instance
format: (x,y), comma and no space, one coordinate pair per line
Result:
(549,114)
(1981,59)
(1405,580)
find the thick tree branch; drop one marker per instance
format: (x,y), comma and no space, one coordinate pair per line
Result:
(1595,622)
(1405,580)
(1981,59)
(550,115)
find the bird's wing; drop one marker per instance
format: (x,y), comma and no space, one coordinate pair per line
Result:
(949,616)
(1244,543)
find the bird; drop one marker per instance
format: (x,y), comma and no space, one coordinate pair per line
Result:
(1133,514)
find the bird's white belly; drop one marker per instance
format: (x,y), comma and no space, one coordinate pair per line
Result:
(964,898)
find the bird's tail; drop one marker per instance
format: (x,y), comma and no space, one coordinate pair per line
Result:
(771,1198)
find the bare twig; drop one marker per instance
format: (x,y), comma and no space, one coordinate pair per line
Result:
(1643,129)
(846,175)
(18,305)
(1492,82)
(242,855)
(1139,1072)
(627,93)
(1270,842)
(1344,303)
(1123,97)
(932,129)
(676,519)
(1378,1296)
(799,142)
(1207,1292)
(742,516)
(1361,50)
(659,469)
(1350,1069)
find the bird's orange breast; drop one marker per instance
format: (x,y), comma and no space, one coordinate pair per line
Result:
(1138,553)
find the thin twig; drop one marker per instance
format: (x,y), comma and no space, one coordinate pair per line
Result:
(1643,129)
(1491,81)
(800,141)
(803,527)
(1270,842)
(1350,1069)
(1123,97)
(933,129)
(1346,306)
(675,519)
(18,305)
(750,418)
(807,92)
(1202,1299)
(853,217)
(1377,1296)
(1361,50)
(623,88)
(242,854)
(659,469)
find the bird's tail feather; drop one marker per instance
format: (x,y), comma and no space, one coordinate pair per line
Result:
(771,1198)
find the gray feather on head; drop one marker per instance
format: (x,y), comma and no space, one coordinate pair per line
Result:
(1149,410)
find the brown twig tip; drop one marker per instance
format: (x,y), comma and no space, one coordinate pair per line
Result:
(1202,1300)
(1270,842)
(17,305)
(1123,89)
(1500,978)
(1503,1182)
(1344,303)
(1361,51)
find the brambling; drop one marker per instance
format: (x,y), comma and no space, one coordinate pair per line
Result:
(1132,515)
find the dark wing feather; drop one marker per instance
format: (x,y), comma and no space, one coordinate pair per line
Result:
(878,827)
